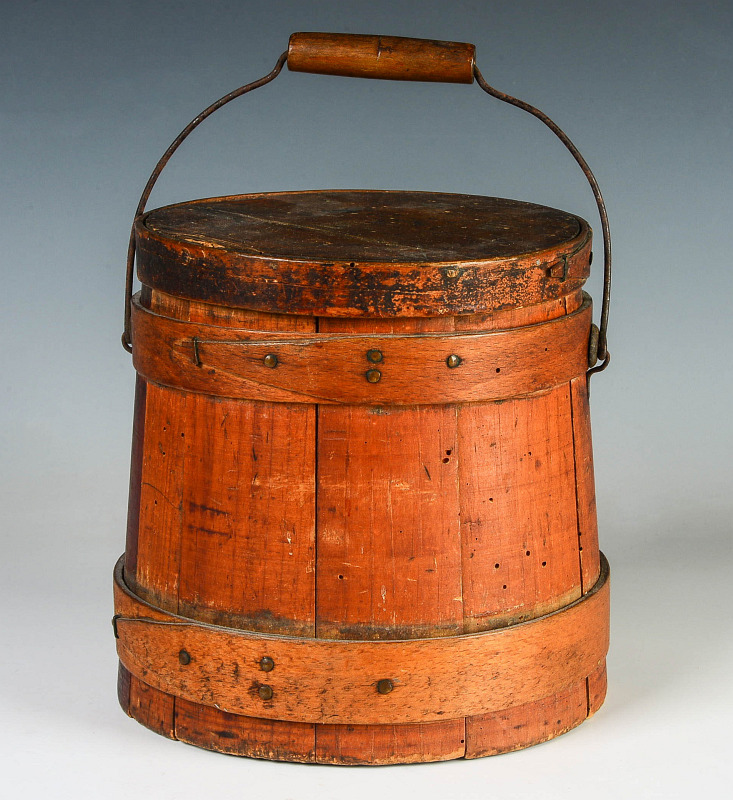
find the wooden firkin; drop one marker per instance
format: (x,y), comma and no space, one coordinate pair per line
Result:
(362,523)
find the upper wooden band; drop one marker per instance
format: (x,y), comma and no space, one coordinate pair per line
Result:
(386,57)
(362,682)
(386,369)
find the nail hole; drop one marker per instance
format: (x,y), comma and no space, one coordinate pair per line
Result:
(498,369)
(544,563)
(446,460)
(504,586)
(341,577)
(496,566)
(448,452)
(527,552)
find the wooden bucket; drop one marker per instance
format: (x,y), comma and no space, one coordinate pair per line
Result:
(362,525)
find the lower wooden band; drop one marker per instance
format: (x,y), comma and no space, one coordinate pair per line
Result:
(362,682)
(379,369)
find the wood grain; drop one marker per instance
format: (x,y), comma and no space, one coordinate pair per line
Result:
(388,545)
(597,685)
(528,724)
(331,367)
(318,680)
(243,529)
(585,483)
(213,729)
(519,530)
(312,516)
(386,57)
(153,708)
(159,522)
(363,253)
(376,745)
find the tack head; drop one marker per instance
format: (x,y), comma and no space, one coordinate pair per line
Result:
(385,686)
(265,692)
(375,356)
(373,375)
(270,360)
(453,361)
(184,657)
(267,664)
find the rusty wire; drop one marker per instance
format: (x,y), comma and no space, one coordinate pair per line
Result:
(602,354)
(602,351)
(160,166)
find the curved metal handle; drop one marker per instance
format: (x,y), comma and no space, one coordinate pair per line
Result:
(398,59)
(160,166)
(601,353)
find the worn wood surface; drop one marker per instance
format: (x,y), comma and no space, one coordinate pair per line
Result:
(519,530)
(412,367)
(332,680)
(409,508)
(363,253)
(388,544)
(387,57)
(585,483)
(239,527)
(528,724)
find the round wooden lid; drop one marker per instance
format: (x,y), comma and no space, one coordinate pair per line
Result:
(363,253)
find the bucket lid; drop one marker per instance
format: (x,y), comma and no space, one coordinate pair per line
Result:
(363,253)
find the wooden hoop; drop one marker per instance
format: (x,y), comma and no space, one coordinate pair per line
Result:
(362,682)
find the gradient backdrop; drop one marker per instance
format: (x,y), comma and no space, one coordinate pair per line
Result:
(91,93)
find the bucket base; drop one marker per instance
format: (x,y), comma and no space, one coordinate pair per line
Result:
(500,732)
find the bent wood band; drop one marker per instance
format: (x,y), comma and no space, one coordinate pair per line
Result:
(362,524)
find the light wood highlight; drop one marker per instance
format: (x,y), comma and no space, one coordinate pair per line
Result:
(322,680)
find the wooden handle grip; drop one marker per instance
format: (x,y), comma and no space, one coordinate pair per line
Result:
(386,57)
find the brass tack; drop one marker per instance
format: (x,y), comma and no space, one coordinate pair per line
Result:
(375,356)
(385,686)
(265,692)
(373,375)
(184,657)
(267,664)
(453,361)
(270,360)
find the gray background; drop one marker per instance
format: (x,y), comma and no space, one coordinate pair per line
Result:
(91,93)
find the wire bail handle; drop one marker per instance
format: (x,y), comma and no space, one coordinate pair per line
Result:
(390,58)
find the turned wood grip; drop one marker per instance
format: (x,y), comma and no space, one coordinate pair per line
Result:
(387,57)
